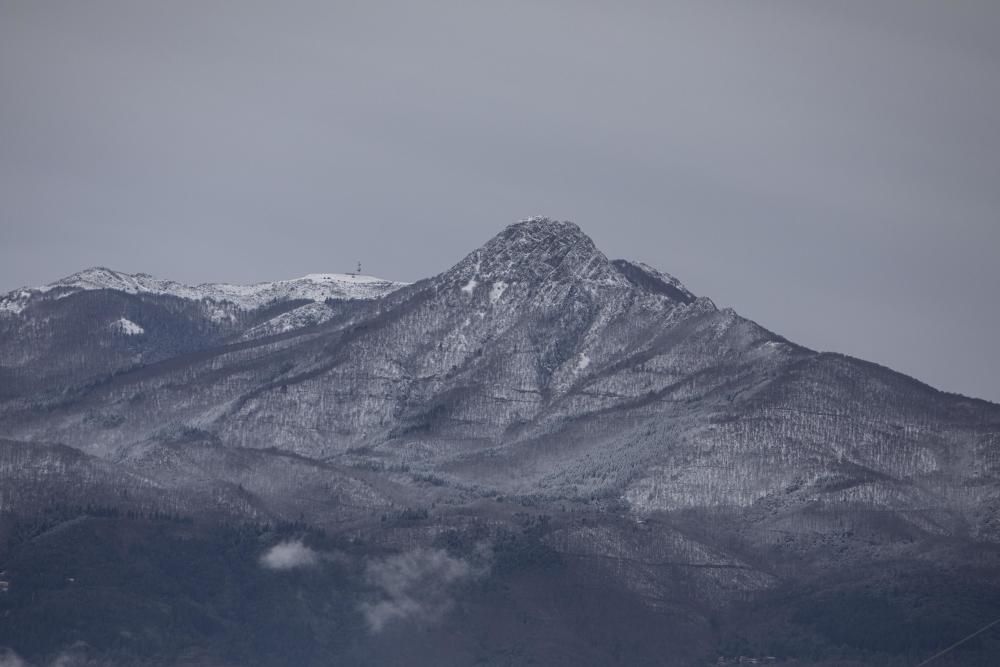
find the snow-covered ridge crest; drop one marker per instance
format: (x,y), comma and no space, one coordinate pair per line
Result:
(312,287)
(653,280)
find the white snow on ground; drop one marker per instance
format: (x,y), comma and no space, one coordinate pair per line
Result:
(14,302)
(127,327)
(308,315)
(499,287)
(470,286)
(583,362)
(314,287)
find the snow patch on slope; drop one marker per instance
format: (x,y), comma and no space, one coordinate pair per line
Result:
(127,327)
(308,315)
(14,302)
(499,287)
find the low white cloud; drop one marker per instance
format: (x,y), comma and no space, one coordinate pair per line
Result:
(68,659)
(74,656)
(10,659)
(289,555)
(415,584)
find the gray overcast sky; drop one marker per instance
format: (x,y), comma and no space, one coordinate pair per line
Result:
(829,169)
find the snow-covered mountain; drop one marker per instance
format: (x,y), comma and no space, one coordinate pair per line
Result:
(313,287)
(541,399)
(100,321)
(526,341)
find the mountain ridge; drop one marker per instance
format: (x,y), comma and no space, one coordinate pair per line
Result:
(312,287)
(623,429)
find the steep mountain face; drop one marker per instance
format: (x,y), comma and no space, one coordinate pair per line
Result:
(652,430)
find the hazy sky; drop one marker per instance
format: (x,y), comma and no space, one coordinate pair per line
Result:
(829,169)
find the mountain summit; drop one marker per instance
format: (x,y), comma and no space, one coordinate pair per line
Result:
(555,257)
(539,249)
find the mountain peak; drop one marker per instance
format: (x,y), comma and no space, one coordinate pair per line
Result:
(537,249)
(537,228)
